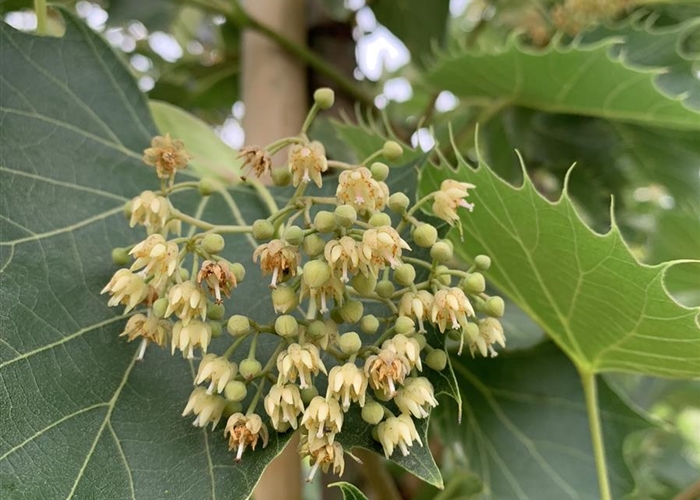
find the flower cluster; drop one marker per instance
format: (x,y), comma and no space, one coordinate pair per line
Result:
(328,258)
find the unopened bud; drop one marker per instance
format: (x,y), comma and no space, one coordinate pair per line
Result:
(441,251)
(384,289)
(472,330)
(316,330)
(474,284)
(324,97)
(284,299)
(405,274)
(184,274)
(392,150)
(380,219)
(215,311)
(216,329)
(436,359)
(364,285)
(249,368)
(349,343)
(281,177)
(404,325)
(455,334)
(313,245)
(351,311)
(345,215)
(372,412)
(120,256)
(206,186)
(380,171)
(235,391)
(286,326)
(308,393)
(369,324)
(420,338)
(316,273)
(159,307)
(238,325)
(495,307)
(263,229)
(425,235)
(294,235)
(398,203)
(213,243)
(238,271)
(336,316)
(483,262)
(324,222)
(442,274)
(231,408)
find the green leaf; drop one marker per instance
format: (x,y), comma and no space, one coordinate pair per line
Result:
(526,428)
(584,79)
(349,491)
(607,311)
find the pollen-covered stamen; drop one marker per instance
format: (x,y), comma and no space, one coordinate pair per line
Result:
(385,370)
(451,196)
(452,304)
(243,431)
(416,305)
(307,162)
(301,362)
(218,278)
(166,155)
(277,258)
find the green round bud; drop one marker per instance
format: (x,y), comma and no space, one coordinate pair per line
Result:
(455,334)
(364,285)
(495,307)
(336,316)
(482,262)
(398,203)
(405,274)
(384,289)
(184,274)
(324,222)
(284,299)
(263,229)
(206,186)
(404,325)
(308,394)
(316,273)
(235,391)
(281,177)
(352,311)
(420,338)
(441,251)
(213,243)
(324,97)
(372,412)
(313,245)
(349,343)
(127,209)
(231,408)
(316,330)
(425,235)
(345,215)
(216,329)
(474,284)
(238,325)
(436,359)
(294,235)
(215,311)
(286,326)
(471,331)
(120,256)
(369,324)
(249,368)
(159,307)
(238,271)
(442,275)
(380,219)
(392,150)
(380,171)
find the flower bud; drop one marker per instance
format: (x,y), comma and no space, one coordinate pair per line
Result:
(405,274)
(441,251)
(238,271)
(313,245)
(351,311)
(425,235)
(215,311)
(286,326)
(369,324)
(436,359)
(281,177)
(420,338)
(206,186)
(184,274)
(159,307)
(372,412)
(308,393)
(398,203)
(128,209)
(294,235)
(474,284)
(442,275)
(380,171)
(120,256)
(392,150)
(404,325)
(380,219)
(263,229)
(249,368)
(316,330)
(364,285)
(232,407)
(324,222)
(284,299)
(345,215)
(349,343)
(482,262)
(216,330)
(316,273)
(235,391)
(213,243)
(472,331)
(238,325)
(324,97)
(495,307)
(384,289)
(335,315)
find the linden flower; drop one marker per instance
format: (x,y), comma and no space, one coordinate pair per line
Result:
(379,246)
(490,332)
(187,301)
(152,211)
(148,329)
(187,337)
(218,370)
(343,256)
(453,305)
(356,187)
(407,347)
(397,432)
(416,397)
(207,407)
(156,257)
(347,383)
(332,288)
(323,419)
(256,159)
(218,278)
(299,361)
(243,431)
(307,162)
(416,304)
(166,155)
(284,405)
(277,258)
(451,196)
(385,370)
(126,288)
(324,456)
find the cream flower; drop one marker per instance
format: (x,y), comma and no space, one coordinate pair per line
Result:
(126,288)
(156,257)
(450,306)
(187,301)
(243,431)
(299,361)
(307,162)
(356,187)
(417,305)
(218,370)
(277,258)
(323,419)
(207,407)
(218,278)
(397,432)
(284,405)
(347,383)
(148,329)
(385,370)
(187,337)
(332,288)
(256,158)
(343,256)
(323,455)
(153,211)
(380,246)
(166,155)
(490,333)
(407,347)
(451,196)
(416,397)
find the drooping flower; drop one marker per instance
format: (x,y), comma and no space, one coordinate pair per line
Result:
(408,347)
(152,211)
(256,159)
(307,162)
(332,288)
(323,419)
(278,258)
(218,370)
(347,383)
(343,256)
(186,337)
(126,288)
(323,455)
(155,257)
(166,155)
(356,187)
(416,397)
(450,306)
(218,278)
(243,431)
(385,370)
(284,405)
(187,301)
(299,361)
(397,432)
(381,246)
(490,333)
(148,329)
(207,407)
(450,197)
(416,305)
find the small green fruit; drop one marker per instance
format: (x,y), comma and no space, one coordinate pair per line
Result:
(372,412)
(345,215)
(482,262)
(441,251)
(398,203)
(474,284)
(436,359)
(238,325)
(364,285)
(392,150)
(316,273)
(235,391)
(215,311)
(404,325)
(238,271)
(352,311)
(425,235)
(405,274)
(284,299)
(213,243)
(350,343)
(384,289)
(286,326)
(313,245)
(120,256)
(316,330)
(324,97)
(380,171)
(294,235)
(380,219)
(249,368)
(263,229)
(495,307)
(369,324)
(324,222)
